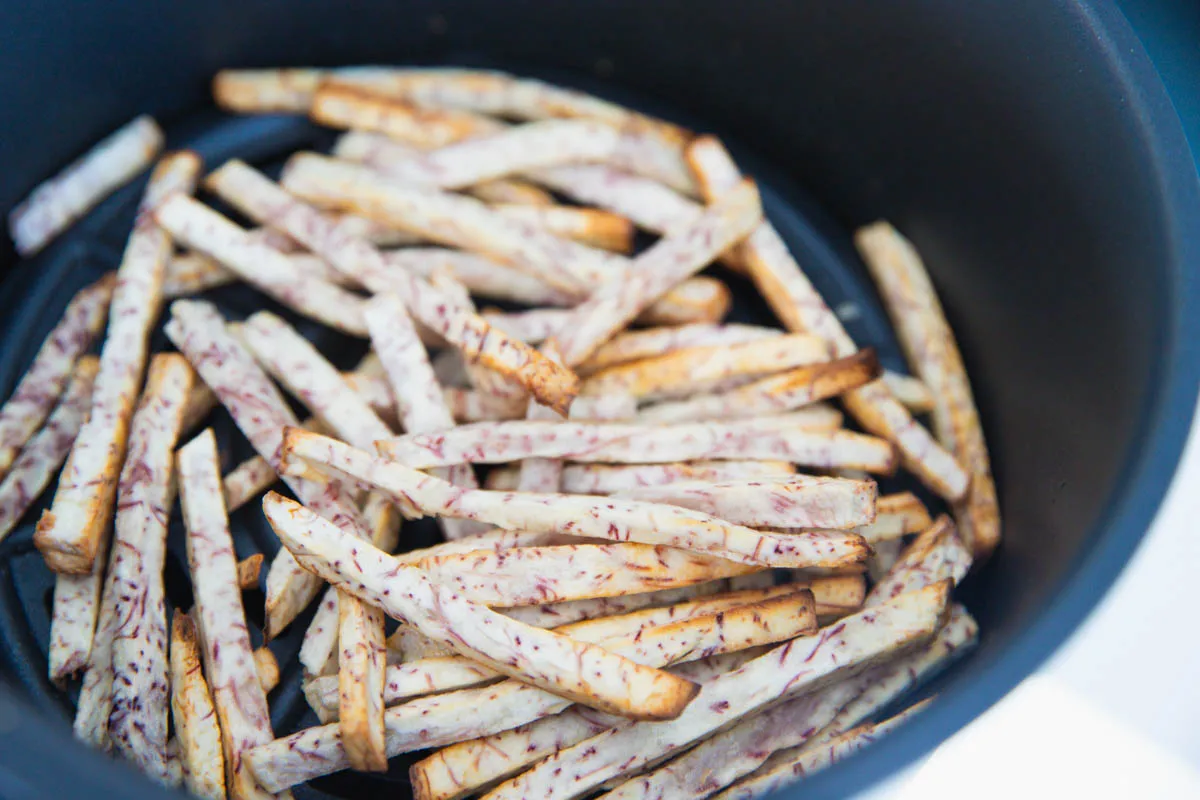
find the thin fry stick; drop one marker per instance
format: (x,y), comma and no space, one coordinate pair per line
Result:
(910,391)
(73,625)
(201,401)
(802,310)
(696,370)
(642,344)
(240,702)
(702,299)
(45,451)
(340,105)
(589,226)
(360,684)
(774,394)
(266,666)
(248,570)
(42,385)
(55,204)
(542,474)
(501,442)
(318,650)
(510,191)
(614,478)
(260,412)
(651,205)
(248,480)
(196,729)
(552,615)
(549,661)
(483,276)
(255,195)
(929,342)
(473,406)
(268,270)
(145,494)
(853,644)
(795,501)
(604,518)
(70,533)
(263,90)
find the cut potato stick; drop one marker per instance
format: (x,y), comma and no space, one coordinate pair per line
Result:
(774,394)
(501,442)
(55,204)
(589,226)
(929,343)
(509,191)
(240,702)
(896,515)
(533,575)
(911,392)
(794,501)
(257,196)
(482,276)
(696,370)
(791,767)
(69,534)
(340,105)
(542,658)
(260,412)
(851,645)
(542,474)
(638,345)
(937,554)
(801,309)
(34,468)
(196,729)
(145,493)
(648,523)
(265,268)
(42,385)
(266,665)
(702,299)
(672,260)
(248,570)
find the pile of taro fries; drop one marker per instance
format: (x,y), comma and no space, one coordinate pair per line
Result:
(678,580)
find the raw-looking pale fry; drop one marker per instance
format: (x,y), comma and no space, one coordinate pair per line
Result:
(361,662)
(849,646)
(240,702)
(192,273)
(635,443)
(648,203)
(896,515)
(672,260)
(910,391)
(248,570)
(506,152)
(652,342)
(248,480)
(482,276)
(468,405)
(791,767)
(257,196)
(200,228)
(261,413)
(929,343)
(267,667)
(340,105)
(47,377)
(200,403)
(590,226)
(137,723)
(614,478)
(697,370)
(702,299)
(513,192)
(542,474)
(793,501)
(73,625)
(533,575)
(470,713)
(552,615)
(418,395)
(373,231)
(937,554)
(649,523)
(539,324)
(196,730)
(802,310)
(573,670)
(68,535)
(44,453)
(774,394)
(55,204)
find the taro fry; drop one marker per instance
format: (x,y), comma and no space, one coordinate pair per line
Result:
(616,478)
(267,667)
(698,370)
(542,474)
(200,403)
(649,204)
(501,442)
(69,534)
(197,732)
(137,723)
(702,299)
(511,192)
(259,411)
(240,702)
(911,392)
(801,309)
(360,684)
(266,90)
(589,226)
(929,343)
(43,383)
(483,276)
(44,452)
(637,345)
(896,515)
(849,646)
(793,501)
(574,670)
(257,196)
(248,570)
(938,553)
(649,523)
(55,204)
(774,394)
(472,406)
(340,105)
(263,267)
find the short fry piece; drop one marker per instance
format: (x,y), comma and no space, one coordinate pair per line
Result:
(55,204)
(921,326)
(248,570)
(196,727)
(267,667)
(896,515)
